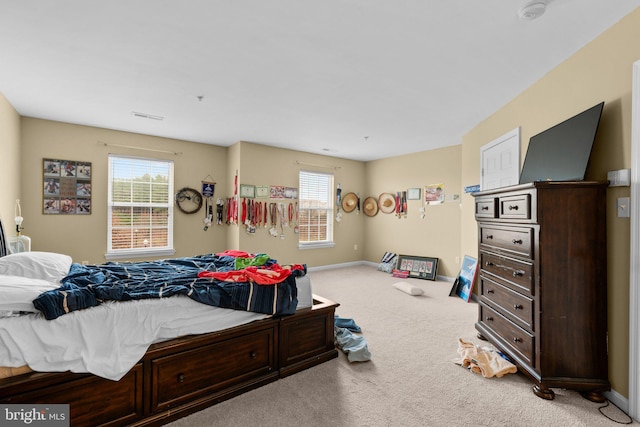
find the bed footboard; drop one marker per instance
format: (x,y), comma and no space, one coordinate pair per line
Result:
(307,339)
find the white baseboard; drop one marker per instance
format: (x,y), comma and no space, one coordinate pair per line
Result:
(617,399)
(342,265)
(370,264)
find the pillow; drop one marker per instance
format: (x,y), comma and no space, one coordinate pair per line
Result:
(47,266)
(17,293)
(408,288)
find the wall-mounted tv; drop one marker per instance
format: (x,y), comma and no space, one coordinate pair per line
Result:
(561,153)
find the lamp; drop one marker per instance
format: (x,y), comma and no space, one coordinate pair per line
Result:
(19,218)
(19,243)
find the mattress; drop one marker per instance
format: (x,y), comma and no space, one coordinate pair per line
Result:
(101,341)
(305,296)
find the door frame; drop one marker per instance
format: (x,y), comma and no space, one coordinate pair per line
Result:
(634,250)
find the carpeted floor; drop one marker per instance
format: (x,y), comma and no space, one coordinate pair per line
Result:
(411,379)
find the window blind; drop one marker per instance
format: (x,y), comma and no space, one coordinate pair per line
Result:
(315,207)
(140,205)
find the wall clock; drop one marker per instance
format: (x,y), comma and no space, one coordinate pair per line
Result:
(189,200)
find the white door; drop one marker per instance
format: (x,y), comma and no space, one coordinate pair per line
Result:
(500,161)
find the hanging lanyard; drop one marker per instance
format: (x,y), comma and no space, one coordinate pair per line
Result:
(273,207)
(244,210)
(265,214)
(290,213)
(259,214)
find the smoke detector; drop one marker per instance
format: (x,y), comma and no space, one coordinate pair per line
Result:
(531,11)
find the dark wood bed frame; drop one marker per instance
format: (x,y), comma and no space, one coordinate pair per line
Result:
(184,375)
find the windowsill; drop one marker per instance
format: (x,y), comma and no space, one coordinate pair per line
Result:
(316,245)
(148,253)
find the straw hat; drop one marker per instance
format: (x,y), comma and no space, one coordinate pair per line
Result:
(370,206)
(349,202)
(387,203)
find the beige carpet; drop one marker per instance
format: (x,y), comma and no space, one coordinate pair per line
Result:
(411,381)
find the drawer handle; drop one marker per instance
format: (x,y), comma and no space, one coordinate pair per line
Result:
(489,319)
(490,291)
(180,378)
(517,306)
(518,273)
(489,236)
(513,207)
(488,264)
(517,241)
(516,339)
(253,354)
(484,208)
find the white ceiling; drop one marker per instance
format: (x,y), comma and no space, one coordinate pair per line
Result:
(357,79)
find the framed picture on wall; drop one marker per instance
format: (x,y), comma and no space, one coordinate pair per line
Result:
(413,194)
(248,191)
(418,267)
(262,191)
(66,187)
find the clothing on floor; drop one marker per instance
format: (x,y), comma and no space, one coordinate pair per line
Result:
(483,361)
(354,346)
(349,324)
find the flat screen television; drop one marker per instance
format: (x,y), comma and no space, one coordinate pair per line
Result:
(561,153)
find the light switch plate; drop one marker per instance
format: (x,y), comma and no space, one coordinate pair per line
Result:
(623,207)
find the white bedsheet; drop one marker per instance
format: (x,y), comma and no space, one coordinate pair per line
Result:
(108,340)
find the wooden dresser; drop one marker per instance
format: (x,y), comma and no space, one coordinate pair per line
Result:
(543,282)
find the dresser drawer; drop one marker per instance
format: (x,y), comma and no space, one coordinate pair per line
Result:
(515,306)
(178,378)
(518,275)
(486,207)
(510,335)
(517,240)
(515,207)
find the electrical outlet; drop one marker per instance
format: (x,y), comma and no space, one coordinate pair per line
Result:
(355,247)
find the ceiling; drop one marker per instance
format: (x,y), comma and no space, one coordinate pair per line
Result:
(356,79)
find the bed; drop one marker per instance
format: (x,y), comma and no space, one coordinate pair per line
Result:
(182,356)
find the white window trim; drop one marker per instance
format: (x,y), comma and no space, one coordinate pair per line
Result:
(119,254)
(315,245)
(322,244)
(138,253)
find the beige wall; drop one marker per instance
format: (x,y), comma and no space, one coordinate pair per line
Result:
(599,72)
(263,165)
(84,238)
(438,234)
(10,170)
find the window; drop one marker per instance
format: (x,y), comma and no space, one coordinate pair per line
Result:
(315,213)
(140,207)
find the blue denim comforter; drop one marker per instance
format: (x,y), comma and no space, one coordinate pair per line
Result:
(88,285)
